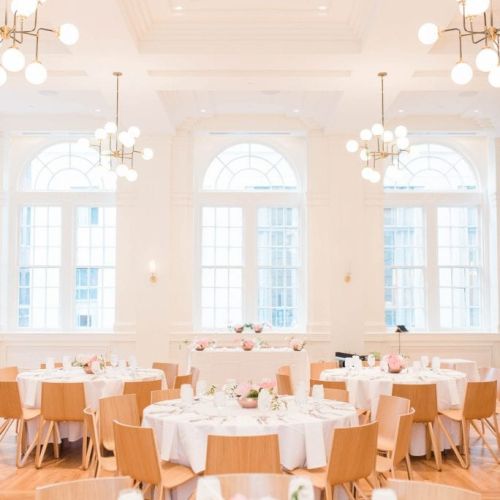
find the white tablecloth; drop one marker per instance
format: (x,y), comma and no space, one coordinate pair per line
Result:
(219,364)
(467,366)
(109,383)
(365,386)
(305,435)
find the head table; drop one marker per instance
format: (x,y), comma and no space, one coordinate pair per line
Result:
(305,432)
(108,383)
(220,363)
(365,385)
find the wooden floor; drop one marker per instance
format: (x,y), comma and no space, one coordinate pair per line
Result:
(19,484)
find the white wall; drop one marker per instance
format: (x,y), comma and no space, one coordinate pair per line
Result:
(156,220)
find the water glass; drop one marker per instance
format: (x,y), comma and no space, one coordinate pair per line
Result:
(384,365)
(371,360)
(425,361)
(113,360)
(264,400)
(417,366)
(50,363)
(318,392)
(436,363)
(187,394)
(66,360)
(219,399)
(122,363)
(132,361)
(348,363)
(301,393)
(201,387)
(96,367)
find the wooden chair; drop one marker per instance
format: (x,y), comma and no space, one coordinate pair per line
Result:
(329,384)
(165,394)
(387,465)
(319,366)
(142,389)
(9,373)
(171,370)
(133,442)
(352,458)
(11,410)
(61,402)
(195,372)
(243,454)
(121,408)
(341,391)
(104,488)
(423,490)
(106,463)
(423,398)
(337,395)
(57,364)
(284,384)
(388,411)
(183,379)
(479,404)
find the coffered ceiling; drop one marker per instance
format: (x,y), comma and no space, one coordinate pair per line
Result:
(311,60)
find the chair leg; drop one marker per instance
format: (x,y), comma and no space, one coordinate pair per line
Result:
(409,470)
(22,453)
(451,443)
(465,440)
(5,427)
(436,446)
(41,449)
(483,438)
(348,491)
(56,439)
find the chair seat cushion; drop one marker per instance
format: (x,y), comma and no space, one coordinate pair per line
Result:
(30,413)
(385,443)
(456,415)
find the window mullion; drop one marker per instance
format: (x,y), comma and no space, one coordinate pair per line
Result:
(432,268)
(67,290)
(250,280)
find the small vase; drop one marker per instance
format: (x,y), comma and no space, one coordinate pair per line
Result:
(395,370)
(247,348)
(297,348)
(199,348)
(88,369)
(248,403)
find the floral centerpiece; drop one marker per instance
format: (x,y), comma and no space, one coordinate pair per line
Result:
(249,327)
(394,362)
(247,344)
(297,344)
(201,344)
(248,393)
(87,362)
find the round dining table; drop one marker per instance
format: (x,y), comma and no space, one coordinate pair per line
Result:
(305,431)
(367,384)
(109,382)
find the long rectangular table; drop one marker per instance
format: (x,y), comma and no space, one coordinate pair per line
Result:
(219,364)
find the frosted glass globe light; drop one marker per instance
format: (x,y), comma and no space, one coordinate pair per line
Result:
(110,127)
(83,143)
(100,134)
(3,76)
(132,175)
(363,154)
(24,8)
(486,59)
(148,154)
(352,146)
(68,34)
(366,173)
(134,132)
(13,60)
(474,7)
(461,73)
(403,142)
(493,77)
(35,73)
(400,131)
(365,134)
(126,139)
(388,136)
(375,177)
(121,170)
(377,129)
(428,33)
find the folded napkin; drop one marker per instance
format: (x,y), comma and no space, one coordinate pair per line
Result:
(300,488)
(208,489)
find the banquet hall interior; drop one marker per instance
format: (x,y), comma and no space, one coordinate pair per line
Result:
(249,249)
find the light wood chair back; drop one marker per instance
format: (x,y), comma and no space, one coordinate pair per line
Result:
(480,400)
(165,394)
(353,454)
(183,379)
(62,402)
(255,485)
(243,454)
(171,370)
(329,384)
(131,443)
(195,372)
(489,373)
(284,384)
(423,398)
(142,389)
(419,490)
(57,364)
(337,395)
(285,370)
(388,411)
(10,401)
(402,437)
(121,408)
(104,488)
(319,366)
(9,373)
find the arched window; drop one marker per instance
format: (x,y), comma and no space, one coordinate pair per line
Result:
(433,244)
(66,259)
(250,253)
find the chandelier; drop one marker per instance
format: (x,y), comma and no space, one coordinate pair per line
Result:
(117,149)
(379,143)
(477,25)
(24,26)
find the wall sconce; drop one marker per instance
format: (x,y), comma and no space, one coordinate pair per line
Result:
(152,272)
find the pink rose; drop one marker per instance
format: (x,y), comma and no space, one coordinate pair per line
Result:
(238,328)
(248,344)
(267,383)
(394,362)
(257,327)
(243,389)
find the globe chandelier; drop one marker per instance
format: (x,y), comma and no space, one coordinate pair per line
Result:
(478,26)
(117,149)
(20,25)
(379,143)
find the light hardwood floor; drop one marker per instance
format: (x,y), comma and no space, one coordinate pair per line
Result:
(19,484)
